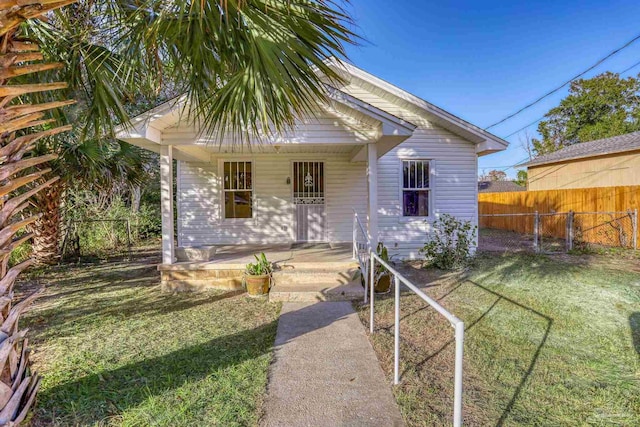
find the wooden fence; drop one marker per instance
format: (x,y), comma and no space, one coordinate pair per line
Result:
(600,225)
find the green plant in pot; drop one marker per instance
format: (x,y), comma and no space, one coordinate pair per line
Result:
(381,276)
(257,276)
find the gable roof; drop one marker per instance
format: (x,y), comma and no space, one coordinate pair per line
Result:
(368,122)
(598,147)
(499,187)
(436,114)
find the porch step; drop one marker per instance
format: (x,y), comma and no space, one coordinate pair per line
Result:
(200,280)
(325,294)
(316,284)
(298,281)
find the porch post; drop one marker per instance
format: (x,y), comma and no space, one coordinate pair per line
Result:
(372,178)
(166,202)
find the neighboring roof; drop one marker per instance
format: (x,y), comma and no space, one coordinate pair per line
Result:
(599,147)
(499,187)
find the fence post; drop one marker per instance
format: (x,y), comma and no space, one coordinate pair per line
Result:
(536,231)
(635,229)
(129,236)
(569,231)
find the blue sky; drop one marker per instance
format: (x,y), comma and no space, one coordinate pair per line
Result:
(483,60)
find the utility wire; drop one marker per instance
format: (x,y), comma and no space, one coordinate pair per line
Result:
(630,68)
(629,43)
(541,118)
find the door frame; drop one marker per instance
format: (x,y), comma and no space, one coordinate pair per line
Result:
(295,206)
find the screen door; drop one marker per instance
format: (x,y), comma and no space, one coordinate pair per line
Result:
(308,198)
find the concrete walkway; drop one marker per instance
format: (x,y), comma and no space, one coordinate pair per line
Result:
(325,372)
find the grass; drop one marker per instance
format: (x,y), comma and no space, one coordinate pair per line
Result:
(114,350)
(547,342)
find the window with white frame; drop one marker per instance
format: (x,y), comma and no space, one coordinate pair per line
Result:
(416,187)
(238,190)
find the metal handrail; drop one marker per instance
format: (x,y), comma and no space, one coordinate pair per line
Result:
(357,253)
(457,324)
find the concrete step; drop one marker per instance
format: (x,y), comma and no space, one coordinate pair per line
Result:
(321,293)
(301,278)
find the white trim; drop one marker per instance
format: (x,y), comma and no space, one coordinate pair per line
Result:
(254,199)
(372,181)
(418,102)
(166,204)
(179,202)
(430,189)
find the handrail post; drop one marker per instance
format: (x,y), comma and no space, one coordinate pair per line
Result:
(371,286)
(457,394)
(355,235)
(396,337)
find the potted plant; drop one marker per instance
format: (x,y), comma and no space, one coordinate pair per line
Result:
(381,277)
(258,276)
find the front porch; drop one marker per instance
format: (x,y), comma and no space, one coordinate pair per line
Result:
(302,272)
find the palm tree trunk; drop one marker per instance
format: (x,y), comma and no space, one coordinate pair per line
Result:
(19,181)
(46,229)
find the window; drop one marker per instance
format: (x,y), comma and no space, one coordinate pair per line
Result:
(238,190)
(416,187)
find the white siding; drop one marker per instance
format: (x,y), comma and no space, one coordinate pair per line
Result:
(454,186)
(454,189)
(325,128)
(199,201)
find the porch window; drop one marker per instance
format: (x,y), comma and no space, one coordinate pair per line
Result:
(416,187)
(238,190)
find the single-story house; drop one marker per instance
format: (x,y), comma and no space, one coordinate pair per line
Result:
(376,150)
(499,187)
(608,162)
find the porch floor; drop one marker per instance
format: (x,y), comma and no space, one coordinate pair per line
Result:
(284,256)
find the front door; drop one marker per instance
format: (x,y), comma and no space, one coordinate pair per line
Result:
(308,199)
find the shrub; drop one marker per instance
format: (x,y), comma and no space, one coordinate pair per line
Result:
(451,243)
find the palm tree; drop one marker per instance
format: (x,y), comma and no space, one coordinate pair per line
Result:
(21,125)
(246,66)
(90,163)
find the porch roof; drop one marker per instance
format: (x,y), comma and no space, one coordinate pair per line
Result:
(362,123)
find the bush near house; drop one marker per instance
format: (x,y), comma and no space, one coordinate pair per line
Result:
(450,244)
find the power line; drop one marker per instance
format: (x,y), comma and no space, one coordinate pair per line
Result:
(541,118)
(629,43)
(524,127)
(630,68)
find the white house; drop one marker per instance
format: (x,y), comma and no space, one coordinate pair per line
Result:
(395,159)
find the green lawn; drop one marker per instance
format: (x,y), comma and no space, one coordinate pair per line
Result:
(548,342)
(114,350)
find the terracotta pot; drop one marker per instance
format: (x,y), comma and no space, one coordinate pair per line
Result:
(257,285)
(383,284)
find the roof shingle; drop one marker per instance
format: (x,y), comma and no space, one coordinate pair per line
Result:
(599,147)
(499,187)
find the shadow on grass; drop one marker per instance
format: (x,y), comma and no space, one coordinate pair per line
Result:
(534,359)
(501,299)
(634,324)
(92,398)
